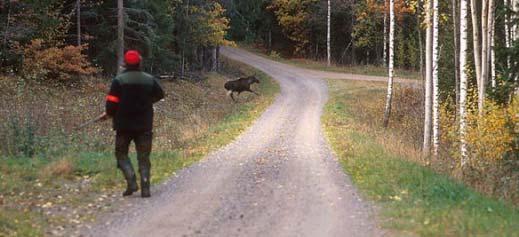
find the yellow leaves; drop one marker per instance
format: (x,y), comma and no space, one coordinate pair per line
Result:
(292,16)
(395,198)
(489,137)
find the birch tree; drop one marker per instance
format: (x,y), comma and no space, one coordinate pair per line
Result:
(328,35)
(484,55)
(120,34)
(435,98)
(463,81)
(389,97)
(492,26)
(428,80)
(482,50)
(475,40)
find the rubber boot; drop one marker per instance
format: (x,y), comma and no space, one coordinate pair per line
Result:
(145,181)
(131,179)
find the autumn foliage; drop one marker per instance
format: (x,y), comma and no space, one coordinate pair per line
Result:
(56,64)
(492,141)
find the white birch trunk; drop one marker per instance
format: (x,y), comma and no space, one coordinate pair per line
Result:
(463,81)
(507,32)
(120,35)
(426,149)
(491,35)
(475,40)
(515,29)
(389,97)
(485,43)
(328,36)
(515,34)
(435,79)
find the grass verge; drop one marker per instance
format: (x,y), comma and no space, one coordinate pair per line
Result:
(371,70)
(415,200)
(55,195)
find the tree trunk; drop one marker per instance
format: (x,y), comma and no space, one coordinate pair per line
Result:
(384,54)
(463,81)
(456,52)
(492,55)
(484,56)
(328,36)
(389,97)
(120,35)
(475,40)
(78,18)
(183,68)
(507,32)
(428,81)
(6,31)
(420,40)
(214,59)
(270,41)
(515,29)
(435,80)
(217,58)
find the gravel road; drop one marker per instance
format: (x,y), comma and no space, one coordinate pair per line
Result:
(279,178)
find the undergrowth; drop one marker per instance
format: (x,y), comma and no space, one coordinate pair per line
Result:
(54,179)
(415,198)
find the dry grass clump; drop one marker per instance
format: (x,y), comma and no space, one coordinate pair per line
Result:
(58,168)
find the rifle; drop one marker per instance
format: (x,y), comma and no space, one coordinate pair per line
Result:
(101,117)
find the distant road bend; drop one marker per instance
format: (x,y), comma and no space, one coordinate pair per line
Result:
(279,178)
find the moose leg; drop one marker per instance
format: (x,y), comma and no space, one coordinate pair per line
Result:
(252,91)
(232,96)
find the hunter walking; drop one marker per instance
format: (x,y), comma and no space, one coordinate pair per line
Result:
(130,104)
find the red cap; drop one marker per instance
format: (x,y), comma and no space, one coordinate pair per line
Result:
(132,57)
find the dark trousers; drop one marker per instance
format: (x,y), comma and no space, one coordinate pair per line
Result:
(142,140)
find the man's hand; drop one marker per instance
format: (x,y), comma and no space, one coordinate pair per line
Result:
(104,117)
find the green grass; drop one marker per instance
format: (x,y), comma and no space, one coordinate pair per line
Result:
(414,199)
(75,180)
(371,70)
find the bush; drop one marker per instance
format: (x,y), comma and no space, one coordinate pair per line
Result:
(55,64)
(492,144)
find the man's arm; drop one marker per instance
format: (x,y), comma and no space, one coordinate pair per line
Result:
(113,98)
(157,93)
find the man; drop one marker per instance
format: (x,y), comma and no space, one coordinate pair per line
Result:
(130,104)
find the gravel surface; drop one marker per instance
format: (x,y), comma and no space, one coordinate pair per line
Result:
(279,178)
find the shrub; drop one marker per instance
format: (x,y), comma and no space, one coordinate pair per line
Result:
(59,168)
(55,64)
(492,144)
(275,54)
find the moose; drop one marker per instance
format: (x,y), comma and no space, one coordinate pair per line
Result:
(240,85)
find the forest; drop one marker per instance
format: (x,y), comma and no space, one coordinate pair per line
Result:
(459,112)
